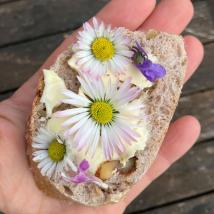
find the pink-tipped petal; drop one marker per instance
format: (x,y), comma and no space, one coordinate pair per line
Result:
(74,128)
(75,119)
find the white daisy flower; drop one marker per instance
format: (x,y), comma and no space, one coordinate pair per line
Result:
(102,114)
(51,154)
(101,48)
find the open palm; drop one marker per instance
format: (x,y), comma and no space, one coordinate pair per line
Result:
(18,192)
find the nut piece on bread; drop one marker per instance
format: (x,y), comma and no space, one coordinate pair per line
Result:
(101,112)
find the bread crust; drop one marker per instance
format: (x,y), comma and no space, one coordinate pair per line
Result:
(161,101)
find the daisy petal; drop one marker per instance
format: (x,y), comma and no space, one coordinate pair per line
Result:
(87,59)
(70,112)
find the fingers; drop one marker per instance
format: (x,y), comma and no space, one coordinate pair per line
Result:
(122,13)
(129,14)
(170,16)
(126,13)
(118,13)
(195,54)
(180,137)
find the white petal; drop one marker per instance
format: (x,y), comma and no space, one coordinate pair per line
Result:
(83,131)
(100,88)
(40,144)
(42,138)
(86,86)
(76,97)
(127,130)
(125,139)
(84,38)
(70,163)
(39,152)
(87,142)
(91,137)
(89,29)
(74,102)
(98,68)
(115,139)
(45,168)
(129,96)
(85,60)
(88,66)
(122,90)
(44,162)
(95,142)
(95,23)
(84,46)
(70,112)
(107,147)
(100,32)
(84,142)
(125,53)
(74,128)
(82,54)
(75,119)
(111,89)
(51,170)
(40,156)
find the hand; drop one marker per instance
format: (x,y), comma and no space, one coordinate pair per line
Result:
(18,192)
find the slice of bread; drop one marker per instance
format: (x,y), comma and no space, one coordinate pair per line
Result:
(162,99)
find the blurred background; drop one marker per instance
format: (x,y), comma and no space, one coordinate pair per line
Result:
(31,29)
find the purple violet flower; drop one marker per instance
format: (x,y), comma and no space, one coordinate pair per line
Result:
(150,70)
(83,177)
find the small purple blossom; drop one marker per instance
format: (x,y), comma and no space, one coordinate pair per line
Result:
(84,165)
(82,176)
(150,70)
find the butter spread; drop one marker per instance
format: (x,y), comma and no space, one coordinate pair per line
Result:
(54,124)
(138,79)
(52,93)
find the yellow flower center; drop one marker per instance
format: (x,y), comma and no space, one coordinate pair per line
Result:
(56,150)
(101,112)
(103,49)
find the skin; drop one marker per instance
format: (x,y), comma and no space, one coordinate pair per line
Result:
(18,192)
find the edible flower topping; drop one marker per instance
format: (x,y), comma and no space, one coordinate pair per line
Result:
(150,70)
(83,176)
(51,154)
(100,48)
(102,114)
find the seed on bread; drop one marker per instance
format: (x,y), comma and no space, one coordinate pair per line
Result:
(105,171)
